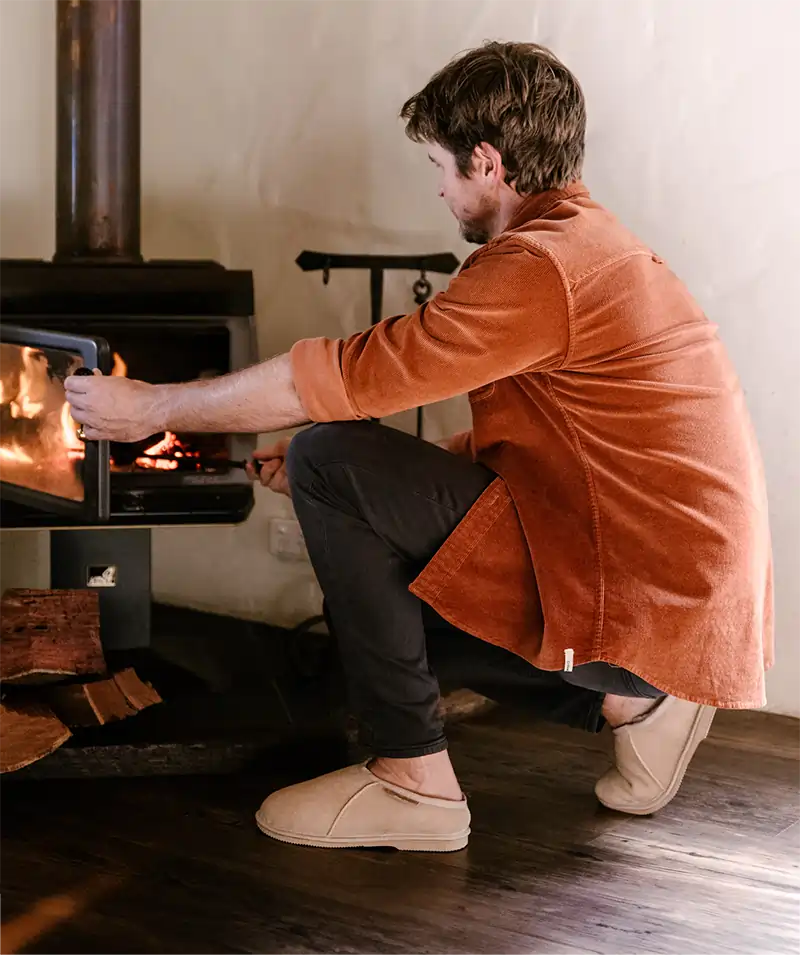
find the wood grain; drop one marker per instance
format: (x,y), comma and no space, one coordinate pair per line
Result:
(46,635)
(547,869)
(102,701)
(29,730)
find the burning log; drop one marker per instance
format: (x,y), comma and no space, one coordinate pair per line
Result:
(103,701)
(46,635)
(29,730)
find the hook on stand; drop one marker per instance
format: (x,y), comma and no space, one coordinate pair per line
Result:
(422,289)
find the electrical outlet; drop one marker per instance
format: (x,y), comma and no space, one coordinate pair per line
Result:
(286,539)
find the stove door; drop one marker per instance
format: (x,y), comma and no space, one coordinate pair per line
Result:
(43,462)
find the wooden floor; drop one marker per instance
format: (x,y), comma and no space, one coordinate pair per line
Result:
(176,865)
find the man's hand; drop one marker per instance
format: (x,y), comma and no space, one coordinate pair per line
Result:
(273,467)
(460,443)
(114,409)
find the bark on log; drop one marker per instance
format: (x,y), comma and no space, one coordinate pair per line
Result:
(29,730)
(102,701)
(46,635)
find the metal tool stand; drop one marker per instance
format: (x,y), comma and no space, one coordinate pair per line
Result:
(443,263)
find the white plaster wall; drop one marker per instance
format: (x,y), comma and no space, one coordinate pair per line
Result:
(270,126)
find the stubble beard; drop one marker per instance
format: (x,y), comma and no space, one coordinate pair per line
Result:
(474,232)
(478,228)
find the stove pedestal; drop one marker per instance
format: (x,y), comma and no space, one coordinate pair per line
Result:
(118,564)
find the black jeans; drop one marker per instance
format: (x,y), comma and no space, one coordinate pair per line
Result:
(375,505)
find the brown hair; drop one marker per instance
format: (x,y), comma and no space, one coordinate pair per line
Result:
(519,98)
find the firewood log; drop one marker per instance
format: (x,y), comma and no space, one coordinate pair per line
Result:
(101,701)
(29,730)
(46,635)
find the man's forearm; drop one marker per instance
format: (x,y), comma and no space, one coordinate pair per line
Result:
(258,399)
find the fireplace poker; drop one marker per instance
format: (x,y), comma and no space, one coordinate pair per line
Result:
(203,462)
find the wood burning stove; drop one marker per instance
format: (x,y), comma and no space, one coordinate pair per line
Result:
(97,304)
(157,322)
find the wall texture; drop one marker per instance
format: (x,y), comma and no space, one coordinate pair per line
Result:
(269,127)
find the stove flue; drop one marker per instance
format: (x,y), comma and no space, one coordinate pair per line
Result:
(98,130)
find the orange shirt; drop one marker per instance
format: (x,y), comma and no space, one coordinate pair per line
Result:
(628,522)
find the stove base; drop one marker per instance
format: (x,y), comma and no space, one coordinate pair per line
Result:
(118,564)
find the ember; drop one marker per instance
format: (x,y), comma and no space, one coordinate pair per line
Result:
(169,445)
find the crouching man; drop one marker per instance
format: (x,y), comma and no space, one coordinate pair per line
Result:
(598,541)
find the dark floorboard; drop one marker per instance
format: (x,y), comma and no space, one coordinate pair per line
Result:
(167,865)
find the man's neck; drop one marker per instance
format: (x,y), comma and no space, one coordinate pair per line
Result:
(509,204)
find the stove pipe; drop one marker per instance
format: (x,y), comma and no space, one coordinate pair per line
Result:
(98,121)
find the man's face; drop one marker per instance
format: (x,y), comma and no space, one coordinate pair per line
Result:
(471,199)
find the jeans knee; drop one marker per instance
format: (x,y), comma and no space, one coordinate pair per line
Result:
(318,445)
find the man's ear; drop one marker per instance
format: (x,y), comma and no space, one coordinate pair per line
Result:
(488,162)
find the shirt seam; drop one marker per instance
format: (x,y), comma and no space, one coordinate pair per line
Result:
(648,340)
(628,254)
(527,241)
(599,612)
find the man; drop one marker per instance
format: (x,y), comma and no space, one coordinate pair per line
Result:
(597,545)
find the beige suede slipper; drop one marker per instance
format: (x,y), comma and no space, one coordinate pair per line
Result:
(353,808)
(653,755)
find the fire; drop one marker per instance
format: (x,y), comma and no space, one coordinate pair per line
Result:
(39,443)
(25,405)
(120,369)
(69,433)
(169,444)
(15,453)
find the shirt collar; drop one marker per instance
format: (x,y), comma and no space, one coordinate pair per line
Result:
(536,205)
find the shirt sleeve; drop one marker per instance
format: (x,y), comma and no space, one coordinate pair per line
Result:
(506,312)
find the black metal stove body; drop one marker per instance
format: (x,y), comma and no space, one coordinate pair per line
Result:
(166,322)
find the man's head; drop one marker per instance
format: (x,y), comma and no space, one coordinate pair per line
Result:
(501,122)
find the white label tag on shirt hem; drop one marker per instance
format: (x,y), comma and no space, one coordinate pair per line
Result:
(569,655)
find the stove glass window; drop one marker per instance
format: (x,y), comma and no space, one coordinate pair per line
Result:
(39,445)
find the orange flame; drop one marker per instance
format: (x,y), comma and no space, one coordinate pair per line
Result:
(167,445)
(25,405)
(69,432)
(39,456)
(15,453)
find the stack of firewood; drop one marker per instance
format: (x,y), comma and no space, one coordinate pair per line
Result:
(53,675)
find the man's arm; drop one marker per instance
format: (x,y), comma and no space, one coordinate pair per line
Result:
(506,312)
(255,400)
